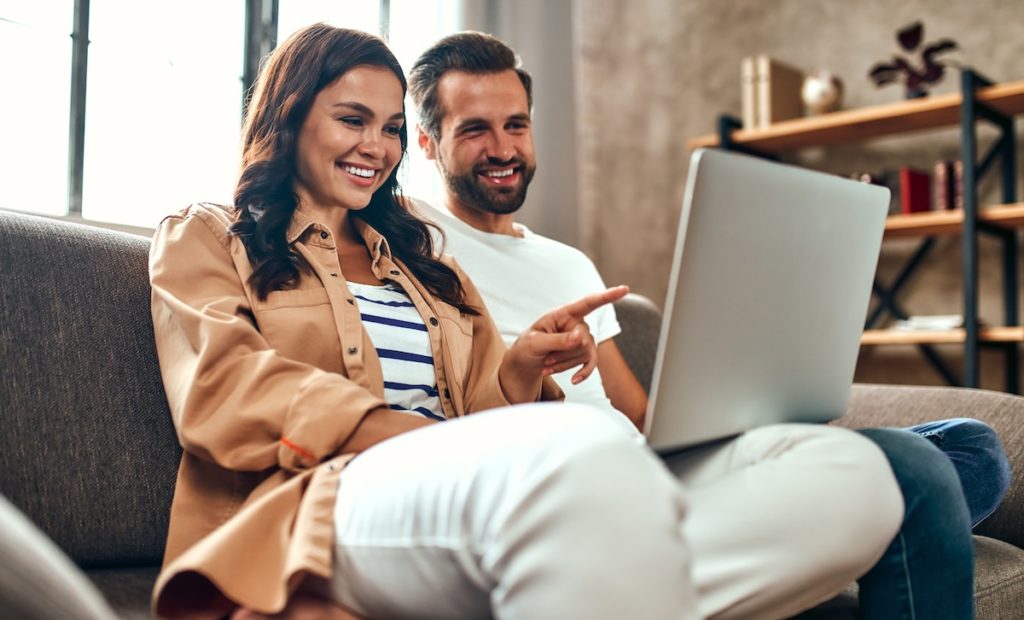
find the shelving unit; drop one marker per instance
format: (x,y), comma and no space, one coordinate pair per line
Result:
(978,100)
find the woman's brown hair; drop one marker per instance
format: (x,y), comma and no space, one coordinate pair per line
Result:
(292,75)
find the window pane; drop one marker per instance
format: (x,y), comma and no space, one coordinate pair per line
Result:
(358,14)
(414,26)
(34,110)
(163,115)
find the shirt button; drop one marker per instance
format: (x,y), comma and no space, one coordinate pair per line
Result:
(351,302)
(323,234)
(353,350)
(334,275)
(395,272)
(433,321)
(447,394)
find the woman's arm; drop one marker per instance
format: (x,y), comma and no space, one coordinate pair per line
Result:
(235,400)
(380,424)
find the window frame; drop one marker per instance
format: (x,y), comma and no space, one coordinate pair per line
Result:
(260,36)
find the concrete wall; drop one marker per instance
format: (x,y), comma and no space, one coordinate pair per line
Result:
(541,32)
(653,73)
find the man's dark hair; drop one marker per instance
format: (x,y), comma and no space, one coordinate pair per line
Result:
(471,52)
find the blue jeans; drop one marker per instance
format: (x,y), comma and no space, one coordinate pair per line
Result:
(952,474)
(978,457)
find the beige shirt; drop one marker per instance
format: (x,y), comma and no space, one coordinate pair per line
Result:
(264,393)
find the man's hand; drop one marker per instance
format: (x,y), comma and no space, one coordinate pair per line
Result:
(557,341)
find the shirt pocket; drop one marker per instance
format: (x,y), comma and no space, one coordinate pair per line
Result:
(299,324)
(457,336)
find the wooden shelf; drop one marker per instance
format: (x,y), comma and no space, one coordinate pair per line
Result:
(874,337)
(931,223)
(849,126)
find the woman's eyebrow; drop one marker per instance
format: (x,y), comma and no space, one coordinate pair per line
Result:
(359,107)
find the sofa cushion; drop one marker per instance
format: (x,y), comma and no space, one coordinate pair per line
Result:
(999,580)
(89,452)
(889,405)
(640,320)
(998,585)
(127,590)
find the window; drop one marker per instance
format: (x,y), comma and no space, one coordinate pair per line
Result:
(357,14)
(163,107)
(163,98)
(415,25)
(36,74)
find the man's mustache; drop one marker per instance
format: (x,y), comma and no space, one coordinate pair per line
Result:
(483,167)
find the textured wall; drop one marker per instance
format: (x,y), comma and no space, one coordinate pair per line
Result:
(652,73)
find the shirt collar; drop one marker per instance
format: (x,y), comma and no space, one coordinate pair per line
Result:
(302,223)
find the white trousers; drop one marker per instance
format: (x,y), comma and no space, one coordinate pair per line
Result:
(552,511)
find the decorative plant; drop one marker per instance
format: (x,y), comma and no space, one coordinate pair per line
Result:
(915,78)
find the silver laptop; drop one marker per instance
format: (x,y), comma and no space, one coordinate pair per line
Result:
(767,298)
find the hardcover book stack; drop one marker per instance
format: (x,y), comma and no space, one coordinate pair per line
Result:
(770,91)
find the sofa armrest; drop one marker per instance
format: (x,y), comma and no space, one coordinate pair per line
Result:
(640,320)
(895,405)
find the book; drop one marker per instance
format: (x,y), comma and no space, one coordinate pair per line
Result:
(958,184)
(915,190)
(948,184)
(748,96)
(777,91)
(932,322)
(942,185)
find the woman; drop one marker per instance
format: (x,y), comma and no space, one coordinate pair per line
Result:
(311,322)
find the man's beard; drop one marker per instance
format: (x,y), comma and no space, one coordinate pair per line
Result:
(472,191)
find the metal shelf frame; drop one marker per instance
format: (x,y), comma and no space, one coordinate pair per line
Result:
(972,111)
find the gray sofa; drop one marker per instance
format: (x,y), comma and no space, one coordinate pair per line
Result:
(88,452)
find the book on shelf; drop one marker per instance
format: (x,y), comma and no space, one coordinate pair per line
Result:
(929,323)
(769,90)
(748,96)
(948,184)
(958,184)
(915,190)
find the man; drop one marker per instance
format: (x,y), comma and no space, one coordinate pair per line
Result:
(474,103)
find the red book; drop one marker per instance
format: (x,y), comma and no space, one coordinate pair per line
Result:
(915,190)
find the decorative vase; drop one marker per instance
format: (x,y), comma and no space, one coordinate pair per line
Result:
(822,92)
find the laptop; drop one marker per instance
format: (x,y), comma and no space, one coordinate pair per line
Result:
(769,290)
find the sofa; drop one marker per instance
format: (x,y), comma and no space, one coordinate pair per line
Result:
(89,454)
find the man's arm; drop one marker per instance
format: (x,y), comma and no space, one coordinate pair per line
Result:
(620,384)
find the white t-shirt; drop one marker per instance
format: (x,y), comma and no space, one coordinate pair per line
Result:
(520,279)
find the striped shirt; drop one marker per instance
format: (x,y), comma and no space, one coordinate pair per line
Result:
(400,336)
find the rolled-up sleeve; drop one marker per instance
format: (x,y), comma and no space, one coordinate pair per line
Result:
(235,400)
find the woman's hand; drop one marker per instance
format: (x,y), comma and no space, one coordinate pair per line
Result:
(557,341)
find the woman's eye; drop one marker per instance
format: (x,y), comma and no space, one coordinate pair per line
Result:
(393,130)
(352,121)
